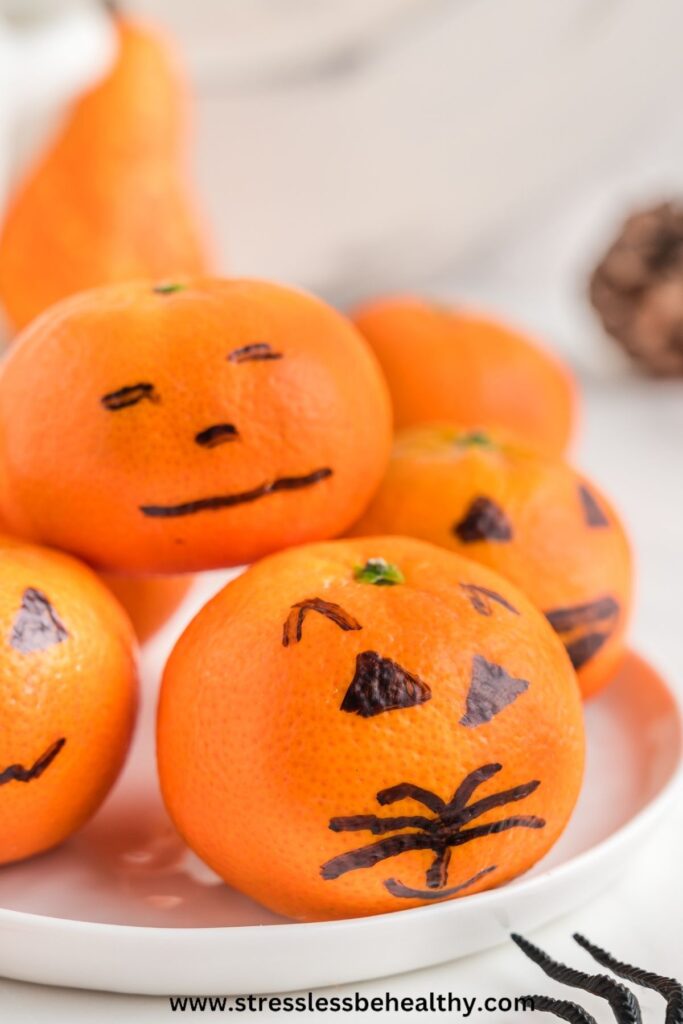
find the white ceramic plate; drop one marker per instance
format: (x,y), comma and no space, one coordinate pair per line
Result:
(123,906)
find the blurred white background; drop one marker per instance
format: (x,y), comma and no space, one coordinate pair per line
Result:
(481,148)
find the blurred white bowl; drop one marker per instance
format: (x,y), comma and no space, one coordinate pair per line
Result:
(360,144)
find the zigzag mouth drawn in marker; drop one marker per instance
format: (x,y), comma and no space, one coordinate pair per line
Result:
(18,773)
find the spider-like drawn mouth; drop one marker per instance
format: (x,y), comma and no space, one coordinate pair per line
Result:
(449,826)
(219,501)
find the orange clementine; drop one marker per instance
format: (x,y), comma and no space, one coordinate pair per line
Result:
(67,696)
(182,426)
(367,725)
(457,365)
(530,517)
(150,601)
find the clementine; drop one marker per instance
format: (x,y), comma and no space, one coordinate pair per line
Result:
(189,425)
(456,365)
(67,696)
(150,601)
(367,725)
(530,517)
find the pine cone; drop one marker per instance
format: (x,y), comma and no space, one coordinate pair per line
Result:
(637,289)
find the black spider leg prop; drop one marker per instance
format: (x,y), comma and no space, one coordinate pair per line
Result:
(624,1004)
(668,988)
(561,1008)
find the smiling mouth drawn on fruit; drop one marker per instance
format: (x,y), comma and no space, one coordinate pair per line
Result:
(440,833)
(292,631)
(37,625)
(220,501)
(575,625)
(18,773)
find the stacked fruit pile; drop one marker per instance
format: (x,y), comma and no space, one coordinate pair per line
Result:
(351,726)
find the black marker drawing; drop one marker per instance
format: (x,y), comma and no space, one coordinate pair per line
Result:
(220,501)
(482,599)
(37,625)
(491,690)
(252,353)
(18,773)
(380,684)
(592,513)
(217,434)
(585,628)
(439,832)
(483,520)
(130,395)
(292,630)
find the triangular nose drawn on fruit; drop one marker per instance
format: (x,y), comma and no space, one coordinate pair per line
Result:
(484,519)
(593,514)
(380,684)
(217,434)
(622,1001)
(491,690)
(37,625)
(585,628)
(18,773)
(440,833)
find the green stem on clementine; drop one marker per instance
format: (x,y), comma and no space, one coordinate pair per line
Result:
(168,287)
(379,572)
(475,439)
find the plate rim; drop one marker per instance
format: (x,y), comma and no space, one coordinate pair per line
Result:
(102,929)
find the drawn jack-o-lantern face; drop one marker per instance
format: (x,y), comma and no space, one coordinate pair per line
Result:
(531,518)
(67,696)
(172,428)
(389,723)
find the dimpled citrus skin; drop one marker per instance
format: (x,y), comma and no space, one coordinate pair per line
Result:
(553,553)
(255,756)
(108,200)
(461,366)
(239,384)
(82,689)
(150,601)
